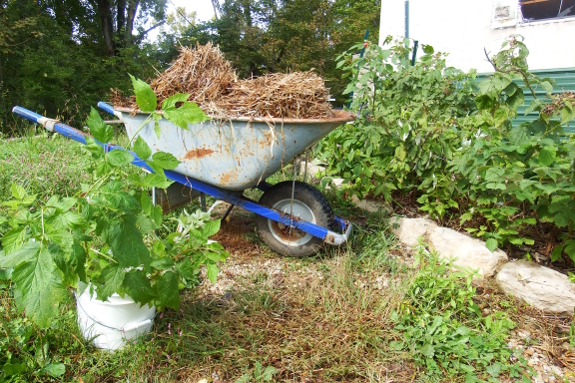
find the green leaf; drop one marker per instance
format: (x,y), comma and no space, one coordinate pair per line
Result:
(547,87)
(212,272)
(556,253)
(111,277)
(93,147)
(42,306)
(138,287)
(535,104)
(78,260)
(36,271)
(142,149)
(547,155)
(500,116)
(127,243)
(187,269)
(13,368)
(37,291)
(156,168)
(27,252)
(484,102)
(566,115)
(14,239)
(168,291)
(493,370)
(518,135)
(145,96)
(119,158)
(162,263)
(186,113)
(53,370)
(155,180)
(98,128)
(211,227)
(400,153)
(491,244)
(428,351)
(165,160)
(494,174)
(18,192)
(427,49)
(71,220)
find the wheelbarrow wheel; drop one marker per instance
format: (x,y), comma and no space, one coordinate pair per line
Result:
(308,204)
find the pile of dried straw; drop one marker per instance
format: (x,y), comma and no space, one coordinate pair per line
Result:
(212,83)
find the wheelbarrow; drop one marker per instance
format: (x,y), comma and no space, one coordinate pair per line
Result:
(224,158)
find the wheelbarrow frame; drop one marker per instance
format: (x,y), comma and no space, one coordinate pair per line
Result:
(328,236)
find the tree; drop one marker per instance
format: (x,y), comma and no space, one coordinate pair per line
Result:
(56,57)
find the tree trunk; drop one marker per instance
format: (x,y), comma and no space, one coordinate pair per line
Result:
(107,26)
(132,9)
(121,16)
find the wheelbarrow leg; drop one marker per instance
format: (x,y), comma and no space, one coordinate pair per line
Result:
(203,202)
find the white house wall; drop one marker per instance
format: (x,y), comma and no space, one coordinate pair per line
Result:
(464,28)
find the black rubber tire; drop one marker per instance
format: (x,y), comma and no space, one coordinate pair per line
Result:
(304,194)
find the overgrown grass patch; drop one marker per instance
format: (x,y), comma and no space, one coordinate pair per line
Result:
(45,164)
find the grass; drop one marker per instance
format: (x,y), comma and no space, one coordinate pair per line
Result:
(359,313)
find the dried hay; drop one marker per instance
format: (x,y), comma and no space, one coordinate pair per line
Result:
(293,95)
(212,83)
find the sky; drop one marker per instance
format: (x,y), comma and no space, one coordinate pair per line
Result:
(204,11)
(204,8)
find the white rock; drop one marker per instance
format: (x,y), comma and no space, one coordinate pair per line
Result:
(411,229)
(540,286)
(312,169)
(337,182)
(372,206)
(466,252)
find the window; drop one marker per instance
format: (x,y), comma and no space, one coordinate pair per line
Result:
(533,10)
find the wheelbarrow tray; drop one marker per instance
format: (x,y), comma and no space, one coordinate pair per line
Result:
(235,154)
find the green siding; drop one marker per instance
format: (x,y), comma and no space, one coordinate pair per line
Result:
(565,79)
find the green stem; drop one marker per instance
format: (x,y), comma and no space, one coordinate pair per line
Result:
(104,255)
(140,128)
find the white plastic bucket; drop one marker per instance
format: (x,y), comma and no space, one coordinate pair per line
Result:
(110,324)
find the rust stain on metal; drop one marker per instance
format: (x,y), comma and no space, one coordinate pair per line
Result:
(287,233)
(198,153)
(226,178)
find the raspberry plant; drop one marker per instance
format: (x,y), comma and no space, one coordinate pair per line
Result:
(105,236)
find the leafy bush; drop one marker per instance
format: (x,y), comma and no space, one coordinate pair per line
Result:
(409,123)
(104,237)
(430,130)
(516,176)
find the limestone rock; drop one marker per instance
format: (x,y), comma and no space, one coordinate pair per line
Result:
(540,286)
(467,252)
(313,169)
(409,230)
(372,206)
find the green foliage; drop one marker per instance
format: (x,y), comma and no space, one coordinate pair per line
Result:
(425,130)
(516,176)
(409,123)
(259,374)
(54,57)
(104,236)
(444,330)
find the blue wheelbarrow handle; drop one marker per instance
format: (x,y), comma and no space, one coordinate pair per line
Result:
(109,109)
